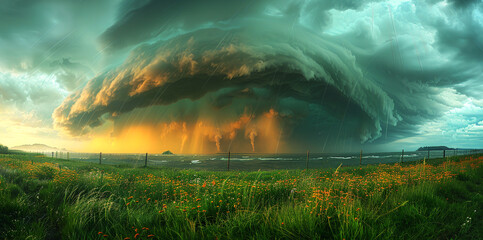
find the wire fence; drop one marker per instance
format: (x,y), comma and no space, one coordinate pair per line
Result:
(251,161)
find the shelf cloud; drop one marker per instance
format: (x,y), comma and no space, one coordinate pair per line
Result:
(274,75)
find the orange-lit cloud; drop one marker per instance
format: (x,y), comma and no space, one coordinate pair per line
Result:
(245,134)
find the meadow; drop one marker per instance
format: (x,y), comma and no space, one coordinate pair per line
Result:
(48,198)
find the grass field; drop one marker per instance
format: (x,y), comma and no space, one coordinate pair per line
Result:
(45,198)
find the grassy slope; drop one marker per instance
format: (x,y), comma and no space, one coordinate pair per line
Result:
(433,200)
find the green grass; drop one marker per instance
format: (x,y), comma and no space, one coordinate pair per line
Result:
(420,200)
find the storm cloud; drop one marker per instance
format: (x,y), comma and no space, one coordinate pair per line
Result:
(381,76)
(320,75)
(192,65)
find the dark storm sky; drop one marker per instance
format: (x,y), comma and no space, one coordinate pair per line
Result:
(322,75)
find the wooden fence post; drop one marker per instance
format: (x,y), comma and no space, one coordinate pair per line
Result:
(444,154)
(307,161)
(402,156)
(360,159)
(146,160)
(228,163)
(100,158)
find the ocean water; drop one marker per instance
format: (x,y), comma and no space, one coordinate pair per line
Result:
(252,161)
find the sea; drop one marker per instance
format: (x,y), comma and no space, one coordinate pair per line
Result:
(257,161)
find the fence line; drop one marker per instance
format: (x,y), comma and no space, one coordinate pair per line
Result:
(254,161)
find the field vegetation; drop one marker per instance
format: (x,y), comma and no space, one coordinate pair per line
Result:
(46,198)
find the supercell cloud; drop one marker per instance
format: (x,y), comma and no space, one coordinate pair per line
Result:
(281,75)
(330,83)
